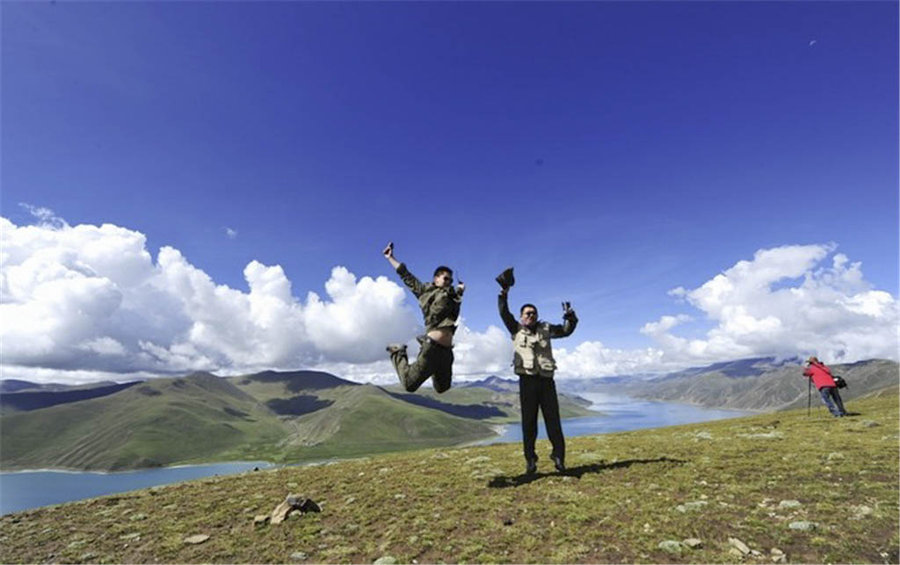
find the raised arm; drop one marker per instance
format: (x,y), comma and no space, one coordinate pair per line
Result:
(570,320)
(508,320)
(409,279)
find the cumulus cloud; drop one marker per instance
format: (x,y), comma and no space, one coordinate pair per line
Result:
(89,302)
(91,299)
(786,301)
(790,300)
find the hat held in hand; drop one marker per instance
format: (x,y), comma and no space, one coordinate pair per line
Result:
(506,278)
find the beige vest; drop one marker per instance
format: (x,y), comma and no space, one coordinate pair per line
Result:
(532,354)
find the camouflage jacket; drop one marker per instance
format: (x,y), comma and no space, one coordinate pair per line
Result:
(532,353)
(440,305)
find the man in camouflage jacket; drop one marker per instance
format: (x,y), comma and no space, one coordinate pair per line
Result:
(440,303)
(534,364)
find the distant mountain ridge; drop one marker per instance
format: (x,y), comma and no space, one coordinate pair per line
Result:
(751,367)
(763,383)
(276,416)
(495,383)
(28,398)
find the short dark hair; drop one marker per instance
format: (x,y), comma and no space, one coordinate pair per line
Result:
(526,305)
(443,269)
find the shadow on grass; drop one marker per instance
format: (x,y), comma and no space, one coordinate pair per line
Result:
(506,482)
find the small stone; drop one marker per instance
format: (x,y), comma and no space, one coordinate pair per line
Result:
(299,556)
(739,545)
(196,539)
(260,519)
(386,560)
(137,517)
(670,546)
(803,526)
(776,551)
(693,543)
(755,553)
(689,506)
(128,537)
(769,435)
(835,455)
(789,504)
(861,511)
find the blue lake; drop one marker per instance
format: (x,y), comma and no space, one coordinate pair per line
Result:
(621,414)
(30,489)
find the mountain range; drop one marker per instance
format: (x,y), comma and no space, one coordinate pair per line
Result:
(274,416)
(288,417)
(761,384)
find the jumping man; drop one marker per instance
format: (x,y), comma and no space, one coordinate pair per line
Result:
(440,303)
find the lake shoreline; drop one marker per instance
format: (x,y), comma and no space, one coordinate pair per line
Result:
(25,489)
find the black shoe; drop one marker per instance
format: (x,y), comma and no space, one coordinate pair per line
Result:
(395,348)
(531,467)
(558,463)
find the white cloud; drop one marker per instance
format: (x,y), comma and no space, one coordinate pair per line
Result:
(231,233)
(91,299)
(89,302)
(787,301)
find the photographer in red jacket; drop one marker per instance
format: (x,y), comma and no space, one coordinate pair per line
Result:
(821,377)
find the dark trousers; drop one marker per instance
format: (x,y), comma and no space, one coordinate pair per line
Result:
(540,392)
(434,360)
(832,399)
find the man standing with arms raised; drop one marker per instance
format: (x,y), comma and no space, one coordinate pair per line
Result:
(533,362)
(440,303)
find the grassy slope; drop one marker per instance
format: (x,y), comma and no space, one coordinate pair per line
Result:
(619,501)
(783,387)
(365,420)
(506,402)
(205,418)
(160,422)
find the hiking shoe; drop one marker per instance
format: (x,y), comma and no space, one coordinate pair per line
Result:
(395,348)
(530,467)
(558,463)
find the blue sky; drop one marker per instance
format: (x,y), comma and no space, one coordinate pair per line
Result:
(610,151)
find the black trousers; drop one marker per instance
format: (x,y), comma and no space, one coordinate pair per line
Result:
(540,392)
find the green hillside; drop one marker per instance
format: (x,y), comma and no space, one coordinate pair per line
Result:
(776,388)
(278,417)
(777,487)
(159,422)
(486,404)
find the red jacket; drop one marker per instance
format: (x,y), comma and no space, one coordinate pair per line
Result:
(820,375)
